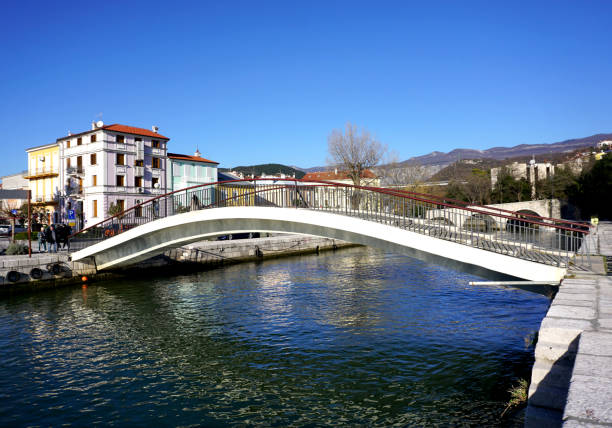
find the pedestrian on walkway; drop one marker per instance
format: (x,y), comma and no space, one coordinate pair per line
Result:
(52,239)
(41,240)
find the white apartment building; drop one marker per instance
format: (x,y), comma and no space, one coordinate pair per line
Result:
(110,164)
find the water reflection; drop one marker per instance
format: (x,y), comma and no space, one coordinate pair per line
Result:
(356,337)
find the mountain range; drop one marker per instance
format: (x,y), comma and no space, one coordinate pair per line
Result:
(499,153)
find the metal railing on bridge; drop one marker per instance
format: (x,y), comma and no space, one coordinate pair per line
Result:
(539,239)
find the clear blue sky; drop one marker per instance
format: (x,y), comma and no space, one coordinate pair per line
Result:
(257,81)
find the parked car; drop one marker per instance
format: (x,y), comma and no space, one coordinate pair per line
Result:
(5,229)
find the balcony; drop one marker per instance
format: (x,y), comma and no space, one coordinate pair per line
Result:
(75,170)
(42,173)
(158,151)
(121,169)
(44,199)
(139,171)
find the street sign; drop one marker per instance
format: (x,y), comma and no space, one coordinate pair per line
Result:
(14,212)
(71,218)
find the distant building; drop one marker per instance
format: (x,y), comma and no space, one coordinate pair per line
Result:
(110,164)
(14,182)
(43,175)
(186,171)
(368,178)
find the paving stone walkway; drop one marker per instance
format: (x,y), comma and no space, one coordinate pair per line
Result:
(571,383)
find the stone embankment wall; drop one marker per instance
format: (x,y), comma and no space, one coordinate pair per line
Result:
(571,380)
(58,270)
(216,252)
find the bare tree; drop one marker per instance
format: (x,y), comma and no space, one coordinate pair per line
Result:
(408,175)
(354,151)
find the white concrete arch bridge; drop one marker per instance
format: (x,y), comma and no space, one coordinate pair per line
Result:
(482,240)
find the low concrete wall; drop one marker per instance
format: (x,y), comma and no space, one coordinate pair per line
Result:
(59,270)
(216,252)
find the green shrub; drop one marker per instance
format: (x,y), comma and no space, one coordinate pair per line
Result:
(13,249)
(23,236)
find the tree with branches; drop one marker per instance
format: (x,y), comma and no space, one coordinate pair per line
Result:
(354,151)
(408,175)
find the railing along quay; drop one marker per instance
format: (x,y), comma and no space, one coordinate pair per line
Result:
(542,240)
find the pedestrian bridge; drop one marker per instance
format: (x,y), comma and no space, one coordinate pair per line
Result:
(484,241)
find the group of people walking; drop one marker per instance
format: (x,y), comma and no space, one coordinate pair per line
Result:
(54,235)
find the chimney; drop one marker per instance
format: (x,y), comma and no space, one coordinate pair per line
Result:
(93,125)
(155,128)
(69,133)
(197,153)
(335,171)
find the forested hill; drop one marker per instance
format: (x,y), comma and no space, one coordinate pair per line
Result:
(267,168)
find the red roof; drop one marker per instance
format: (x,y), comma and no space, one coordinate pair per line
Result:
(189,158)
(133,130)
(331,175)
(115,127)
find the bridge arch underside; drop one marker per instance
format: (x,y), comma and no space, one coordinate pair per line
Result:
(155,237)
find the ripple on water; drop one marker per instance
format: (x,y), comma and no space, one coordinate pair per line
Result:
(355,337)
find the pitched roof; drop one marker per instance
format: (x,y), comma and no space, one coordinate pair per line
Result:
(332,175)
(115,127)
(189,158)
(133,130)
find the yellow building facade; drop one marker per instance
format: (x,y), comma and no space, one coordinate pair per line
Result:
(43,175)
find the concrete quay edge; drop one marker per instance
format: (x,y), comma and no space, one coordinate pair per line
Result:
(189,258)
(571,382)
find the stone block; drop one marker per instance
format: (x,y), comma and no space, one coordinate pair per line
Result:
(550,397)
(605,323)
(550,374)
(574,312)
(562,330)
(592,295)
(593,365)
(589,398)
(596,343)
(573,423)
(556,353)
(564,301)
(538,417)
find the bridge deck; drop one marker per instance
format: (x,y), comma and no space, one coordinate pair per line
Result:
(539,240)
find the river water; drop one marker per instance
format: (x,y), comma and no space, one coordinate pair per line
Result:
(352,337)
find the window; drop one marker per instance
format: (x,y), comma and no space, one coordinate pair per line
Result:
(176,170)
(138,208)
(139,163)
(67,162)
(155,144)
(67,144)
(187,169)
(121,180)
(155,162)
(120,159)
(94,207)
(121,204)
(94,180)
(80,162)
(137,139)
(120,139)
(80,185)
(80,140)
(93,159)
(93,138)
(138,181)
(154,181)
